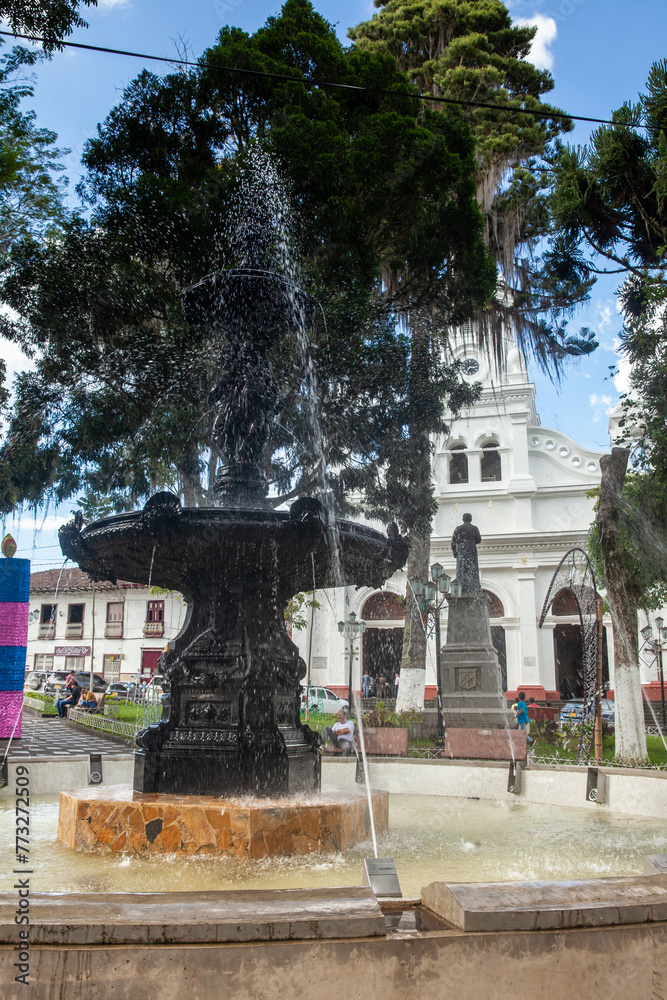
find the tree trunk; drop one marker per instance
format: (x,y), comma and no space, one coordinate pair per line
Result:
(413,658)
(623,604)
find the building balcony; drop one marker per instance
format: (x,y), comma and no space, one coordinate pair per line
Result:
(47,631)
(154,628)
(113,630)
(74,631)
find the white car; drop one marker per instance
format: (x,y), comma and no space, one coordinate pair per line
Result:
(153,693)
(323,700)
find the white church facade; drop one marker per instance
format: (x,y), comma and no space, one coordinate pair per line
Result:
(527,488)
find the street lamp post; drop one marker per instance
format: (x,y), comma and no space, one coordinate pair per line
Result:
(351,630)
(431,595)
(656,645)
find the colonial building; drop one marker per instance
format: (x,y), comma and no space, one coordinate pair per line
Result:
(121,629)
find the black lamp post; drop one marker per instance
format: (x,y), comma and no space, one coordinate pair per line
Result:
(655,645)
(351,629)
(431,595)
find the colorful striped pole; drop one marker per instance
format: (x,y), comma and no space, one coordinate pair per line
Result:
(14,598)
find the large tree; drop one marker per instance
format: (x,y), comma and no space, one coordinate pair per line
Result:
(112,408)
(472,52)
(609,202)
(464,51)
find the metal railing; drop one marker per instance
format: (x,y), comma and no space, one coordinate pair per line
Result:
(37,704)
(103,723)
(553,760)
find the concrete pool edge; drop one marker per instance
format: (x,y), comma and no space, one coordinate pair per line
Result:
(629,791)
(637,792)
(71,954)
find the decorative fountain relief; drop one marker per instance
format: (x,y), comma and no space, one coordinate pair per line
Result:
(231,717)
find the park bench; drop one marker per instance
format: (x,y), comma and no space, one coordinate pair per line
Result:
(385,741)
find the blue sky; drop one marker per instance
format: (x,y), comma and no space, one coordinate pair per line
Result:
(599,51)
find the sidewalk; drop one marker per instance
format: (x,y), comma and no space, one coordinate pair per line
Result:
(55,738)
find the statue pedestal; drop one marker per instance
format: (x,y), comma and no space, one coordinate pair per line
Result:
(470,679)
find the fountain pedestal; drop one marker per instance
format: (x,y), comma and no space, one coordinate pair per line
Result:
(120,820)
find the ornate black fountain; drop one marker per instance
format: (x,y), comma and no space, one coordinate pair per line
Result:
(231,720)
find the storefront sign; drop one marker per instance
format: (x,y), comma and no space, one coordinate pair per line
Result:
(72,651)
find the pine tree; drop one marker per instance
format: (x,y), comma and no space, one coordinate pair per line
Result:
(470,51)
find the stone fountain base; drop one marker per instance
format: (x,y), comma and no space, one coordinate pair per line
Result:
(119,820)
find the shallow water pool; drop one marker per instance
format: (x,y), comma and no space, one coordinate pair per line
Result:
(431,839)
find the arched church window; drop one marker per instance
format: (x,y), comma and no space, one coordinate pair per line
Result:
(565,603)
(491,468)
(496,609)
(384,606)
(458,465)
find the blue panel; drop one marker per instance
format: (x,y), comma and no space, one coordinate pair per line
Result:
(12,668)
(14,580)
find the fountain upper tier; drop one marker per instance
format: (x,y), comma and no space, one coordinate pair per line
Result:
(182,548)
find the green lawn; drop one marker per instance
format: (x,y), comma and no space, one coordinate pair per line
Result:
(567,749)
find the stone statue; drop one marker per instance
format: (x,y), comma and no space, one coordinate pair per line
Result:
(465,540)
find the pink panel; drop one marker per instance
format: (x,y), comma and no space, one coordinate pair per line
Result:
(11,706)
(13,623)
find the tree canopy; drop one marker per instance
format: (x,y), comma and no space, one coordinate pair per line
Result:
(471,51)
(51,20)
(609,203)
(381,190)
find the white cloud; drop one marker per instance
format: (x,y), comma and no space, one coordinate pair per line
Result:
(601,406)
(547,30)
(622,376)
(606,314)
(108,5)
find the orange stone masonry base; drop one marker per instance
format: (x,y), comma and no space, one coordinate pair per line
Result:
(120,820)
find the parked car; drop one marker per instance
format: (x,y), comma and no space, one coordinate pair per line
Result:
(572,712)
(324,700)
(99,683)
(154,691)
(56,682)
(119,689)
(35,680)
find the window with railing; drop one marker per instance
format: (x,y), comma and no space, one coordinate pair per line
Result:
(47,621)
(111,667)
(43,661)
(490,464)
(113,628)
(154,618)
(458,465)
(74,627)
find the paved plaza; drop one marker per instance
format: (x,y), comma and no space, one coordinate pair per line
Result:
(56,738)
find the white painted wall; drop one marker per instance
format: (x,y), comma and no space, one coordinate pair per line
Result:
(133,640)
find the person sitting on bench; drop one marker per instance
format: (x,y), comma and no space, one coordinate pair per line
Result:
(341,734)
(88,699)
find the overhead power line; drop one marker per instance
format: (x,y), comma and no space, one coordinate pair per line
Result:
(508,109)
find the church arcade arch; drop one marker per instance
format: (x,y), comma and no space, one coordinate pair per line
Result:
(382,642)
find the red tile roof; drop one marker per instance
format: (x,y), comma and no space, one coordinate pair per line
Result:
(73,581)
